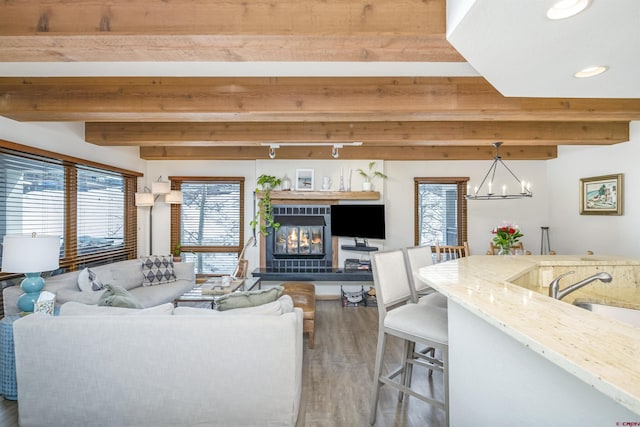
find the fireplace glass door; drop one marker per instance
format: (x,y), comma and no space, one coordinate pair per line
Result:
(301,240)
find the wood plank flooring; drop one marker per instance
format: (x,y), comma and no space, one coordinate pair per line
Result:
(337,376)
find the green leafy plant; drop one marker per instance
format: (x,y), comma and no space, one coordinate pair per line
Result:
(371,174)
(266,183)
(177,250)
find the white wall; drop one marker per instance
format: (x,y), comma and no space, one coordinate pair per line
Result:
(483,215)
(250,170)
(574,233)
(555,187)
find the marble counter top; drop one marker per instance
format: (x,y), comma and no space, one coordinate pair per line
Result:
(600,351)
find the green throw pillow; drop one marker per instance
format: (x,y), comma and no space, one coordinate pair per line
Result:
(248,299)
(117,296)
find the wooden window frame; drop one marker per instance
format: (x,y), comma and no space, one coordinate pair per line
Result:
(461,183)
(71,261)
(176,184)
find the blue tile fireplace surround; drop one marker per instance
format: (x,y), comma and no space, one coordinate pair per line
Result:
(302,249)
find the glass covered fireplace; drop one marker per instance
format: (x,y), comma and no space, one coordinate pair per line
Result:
(303,241)
(298,239)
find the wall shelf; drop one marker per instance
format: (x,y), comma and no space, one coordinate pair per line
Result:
(323,195)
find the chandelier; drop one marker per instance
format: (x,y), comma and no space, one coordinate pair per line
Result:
(479,193)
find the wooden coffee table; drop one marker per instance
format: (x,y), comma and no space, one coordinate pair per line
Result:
(207,291)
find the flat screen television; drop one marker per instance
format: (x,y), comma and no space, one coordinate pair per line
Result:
(358,221)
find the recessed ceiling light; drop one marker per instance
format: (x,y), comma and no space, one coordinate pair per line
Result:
(591,71)
(566,8)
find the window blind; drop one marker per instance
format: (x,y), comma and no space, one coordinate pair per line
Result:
(209,224)
(440,211)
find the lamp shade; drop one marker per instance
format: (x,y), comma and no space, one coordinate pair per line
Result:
(160,187)
(174,197)
(144,199)
(30,253)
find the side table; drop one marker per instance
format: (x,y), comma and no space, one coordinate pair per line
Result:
(8,384)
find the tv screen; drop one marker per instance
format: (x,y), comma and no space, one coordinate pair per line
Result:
(363,221)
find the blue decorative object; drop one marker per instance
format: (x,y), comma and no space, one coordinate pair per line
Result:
(31,285)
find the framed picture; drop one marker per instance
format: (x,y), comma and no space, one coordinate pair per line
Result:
(304,179)
(601,195)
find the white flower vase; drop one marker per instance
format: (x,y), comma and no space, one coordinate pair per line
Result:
(366,186)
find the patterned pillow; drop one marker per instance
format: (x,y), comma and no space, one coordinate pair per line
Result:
(88,281)
(157,269)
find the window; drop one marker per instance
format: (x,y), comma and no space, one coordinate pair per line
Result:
(441,211)
(209,224)
(89,206)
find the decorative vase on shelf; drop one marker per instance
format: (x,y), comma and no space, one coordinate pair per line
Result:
(366,186)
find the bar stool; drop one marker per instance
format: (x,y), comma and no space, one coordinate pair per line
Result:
(399,316)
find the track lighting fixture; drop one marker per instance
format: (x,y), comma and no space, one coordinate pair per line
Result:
(334,151)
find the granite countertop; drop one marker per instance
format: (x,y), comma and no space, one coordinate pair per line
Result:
(600,351)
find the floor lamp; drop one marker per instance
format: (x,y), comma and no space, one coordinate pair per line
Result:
(149,197)
(31,255)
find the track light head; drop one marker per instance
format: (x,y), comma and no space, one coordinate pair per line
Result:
(334,152)
(272,153)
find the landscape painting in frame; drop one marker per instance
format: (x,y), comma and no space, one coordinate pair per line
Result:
(601,195)
(304,179)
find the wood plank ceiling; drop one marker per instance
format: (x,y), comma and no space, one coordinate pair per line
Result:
(403,118)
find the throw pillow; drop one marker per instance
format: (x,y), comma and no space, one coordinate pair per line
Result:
(284,304)
(248,299)
(88,281)
(116,296)
(157,269)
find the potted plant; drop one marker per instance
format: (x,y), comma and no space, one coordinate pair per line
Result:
(369,176)
(266,183)
(177,251)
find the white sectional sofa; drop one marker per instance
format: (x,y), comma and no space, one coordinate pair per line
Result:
(160,367)
(127,274)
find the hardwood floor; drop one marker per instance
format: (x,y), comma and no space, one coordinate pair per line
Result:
(337,376)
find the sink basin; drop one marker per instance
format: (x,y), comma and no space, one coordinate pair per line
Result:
(626,315)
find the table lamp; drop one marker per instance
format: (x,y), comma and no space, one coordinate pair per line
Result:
(31,255)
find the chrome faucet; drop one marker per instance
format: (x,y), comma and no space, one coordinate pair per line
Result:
(554,286)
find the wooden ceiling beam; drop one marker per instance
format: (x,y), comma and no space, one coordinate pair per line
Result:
(371,133)
(233,30)
(363,152)
(227,48)
(224,17)
(287,99)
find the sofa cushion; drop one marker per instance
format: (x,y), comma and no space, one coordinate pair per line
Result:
(157,269)
(89,281)
(127,276)
(116,296)
(247,299)
(284,304)
(73,308)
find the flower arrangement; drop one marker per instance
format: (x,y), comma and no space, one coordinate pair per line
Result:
(506,236)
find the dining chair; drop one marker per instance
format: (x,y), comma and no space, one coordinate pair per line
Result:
(449,252)
(418,257)
(399,316)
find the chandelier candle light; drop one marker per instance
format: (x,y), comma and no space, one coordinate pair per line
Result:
(525,187)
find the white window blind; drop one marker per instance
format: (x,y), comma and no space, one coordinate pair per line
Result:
(32,194)
(101,210)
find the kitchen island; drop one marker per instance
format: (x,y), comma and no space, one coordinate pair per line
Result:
(519,357)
